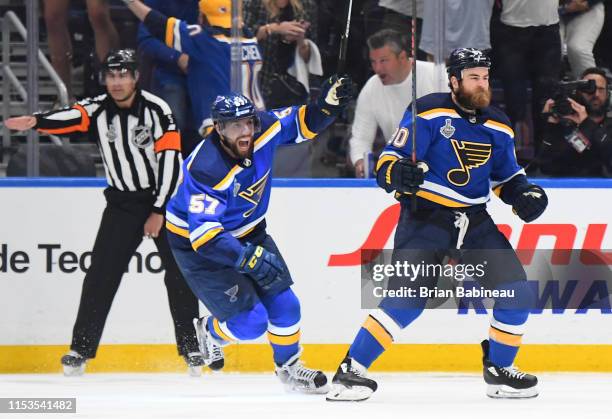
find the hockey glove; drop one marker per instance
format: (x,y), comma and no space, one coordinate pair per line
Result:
(264,267)
(336,93)
(530,202)
(407,176)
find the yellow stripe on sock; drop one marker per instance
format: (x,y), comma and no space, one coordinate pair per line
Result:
(380,334)
(218,330)
(505,337)
(284,340)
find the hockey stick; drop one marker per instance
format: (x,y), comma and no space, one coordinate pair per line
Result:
(413,201)
(236,48)
(344,41)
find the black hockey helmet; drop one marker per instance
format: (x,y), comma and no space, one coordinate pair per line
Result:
(121,59)
(463,58)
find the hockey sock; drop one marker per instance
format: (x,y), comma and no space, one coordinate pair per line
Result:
(246,325)
(374,337)
(507,324)
(219,330)
(283,324)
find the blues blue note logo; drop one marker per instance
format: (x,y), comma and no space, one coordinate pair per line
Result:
(470,155)
(253,193)
(231,293)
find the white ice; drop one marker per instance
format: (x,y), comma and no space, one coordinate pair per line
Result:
(248,396)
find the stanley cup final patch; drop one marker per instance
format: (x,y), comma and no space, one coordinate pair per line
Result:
(447,130)
(141,136)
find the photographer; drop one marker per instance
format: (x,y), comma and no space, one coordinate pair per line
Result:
(577,138)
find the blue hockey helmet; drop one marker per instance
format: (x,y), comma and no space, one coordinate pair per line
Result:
(462,58)
(232,107)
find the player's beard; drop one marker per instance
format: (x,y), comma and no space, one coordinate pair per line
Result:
(241,154)
(478,99)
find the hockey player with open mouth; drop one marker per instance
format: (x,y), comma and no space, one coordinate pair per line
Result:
(218,230)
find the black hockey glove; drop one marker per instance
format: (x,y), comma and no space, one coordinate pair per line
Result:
(407,176)
(264,267)
(336,93)
(530,202)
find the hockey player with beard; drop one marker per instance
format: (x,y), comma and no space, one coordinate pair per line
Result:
(217,229)
(464,147)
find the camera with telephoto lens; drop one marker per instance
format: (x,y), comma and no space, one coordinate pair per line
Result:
(570,89)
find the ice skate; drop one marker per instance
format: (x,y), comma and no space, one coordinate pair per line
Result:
(350,383)
(73,364)
(507,382)
(195,362)
(296,377)
(211,351)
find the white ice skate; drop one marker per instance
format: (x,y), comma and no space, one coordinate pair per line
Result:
(297,378)
(211,350)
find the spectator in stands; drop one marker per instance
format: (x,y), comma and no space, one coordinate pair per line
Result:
(466,24)
(398,15)
(527,49)
(169,77)
(366,19)
(60,44)
(581,24)
(209,48)
(579,144)
(282,27)
(385,97)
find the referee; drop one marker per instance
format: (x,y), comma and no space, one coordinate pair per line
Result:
(140,147)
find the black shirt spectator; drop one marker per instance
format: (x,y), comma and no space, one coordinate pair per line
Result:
(580,144)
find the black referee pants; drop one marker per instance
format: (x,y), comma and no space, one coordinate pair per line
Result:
(119,235)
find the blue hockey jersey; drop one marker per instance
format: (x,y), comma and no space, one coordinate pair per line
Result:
(467,155)
(222,199)
(209,71)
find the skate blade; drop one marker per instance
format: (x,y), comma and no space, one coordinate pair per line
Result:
(306,390)
(195,371)
(74,371)
(340,393)
(199,336)
(505,392)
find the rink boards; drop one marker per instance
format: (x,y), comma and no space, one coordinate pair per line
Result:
(48,226)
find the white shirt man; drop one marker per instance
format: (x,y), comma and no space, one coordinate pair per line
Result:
(386,95)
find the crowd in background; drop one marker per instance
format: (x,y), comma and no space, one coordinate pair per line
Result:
(534,45)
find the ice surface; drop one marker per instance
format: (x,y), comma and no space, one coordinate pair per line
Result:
(249,396)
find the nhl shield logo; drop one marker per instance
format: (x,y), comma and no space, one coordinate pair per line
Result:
(111,134)
(141,136)
(447,130)
(232,292)
(236,188)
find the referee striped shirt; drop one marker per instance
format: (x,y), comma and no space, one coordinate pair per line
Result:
(140,145)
